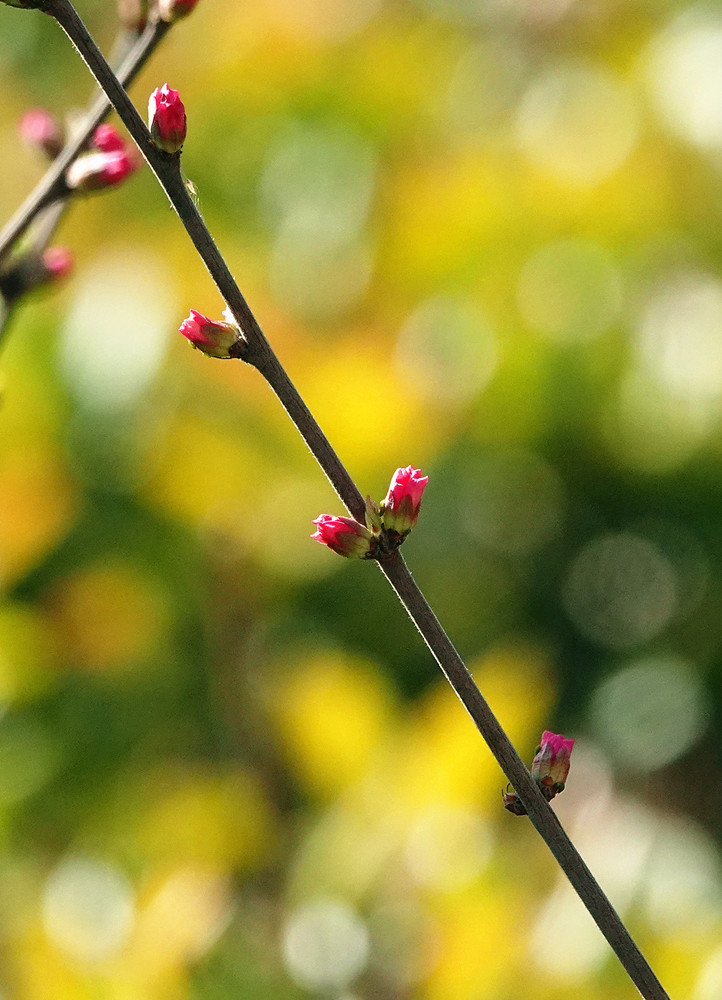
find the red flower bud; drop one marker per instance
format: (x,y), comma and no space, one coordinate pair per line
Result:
(41,130)
(550,766)
(108,139)
(58,263)
(95,171)
(345,536)
(215,339)
(400,509)
(172,10)
(167,119)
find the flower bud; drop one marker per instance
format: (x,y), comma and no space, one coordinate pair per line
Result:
(400,509)
(23,274)
(345,536)
(550,766)
(173,10)
(58,263)
(95,171)
(167,119)
(108,139)
(41,130)
(214,339)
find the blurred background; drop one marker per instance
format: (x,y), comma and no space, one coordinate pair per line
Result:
(483,236)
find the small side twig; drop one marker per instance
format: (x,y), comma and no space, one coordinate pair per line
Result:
(51,186)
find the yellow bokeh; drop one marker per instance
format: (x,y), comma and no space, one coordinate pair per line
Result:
(206,474)
(211,820)
(443,759)
(108,615)
(481,948)
(38,508)
(332,712)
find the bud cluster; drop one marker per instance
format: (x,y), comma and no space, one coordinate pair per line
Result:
(387,523)
(106,161)
(549,769)
(110,161)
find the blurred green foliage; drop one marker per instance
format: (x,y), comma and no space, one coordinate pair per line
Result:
(482,235)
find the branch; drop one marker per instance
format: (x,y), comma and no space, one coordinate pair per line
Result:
(52,187)
(258,352)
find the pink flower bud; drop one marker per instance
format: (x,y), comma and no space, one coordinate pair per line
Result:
(95,171)
(400,509)
(167,119)
(41,130)
(215,339)
(58,263)
(108,139)
(172,10)
(550,766)
(345,536)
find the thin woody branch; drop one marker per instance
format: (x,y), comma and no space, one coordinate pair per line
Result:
(52,186)
(256,351)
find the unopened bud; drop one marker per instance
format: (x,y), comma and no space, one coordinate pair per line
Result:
(400,509)
(33,270)
(213,338)
(345,536)
(41,130)
(58,263)
(167,119)
(550,766)
(108,139)
(95,171)
(173,10)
